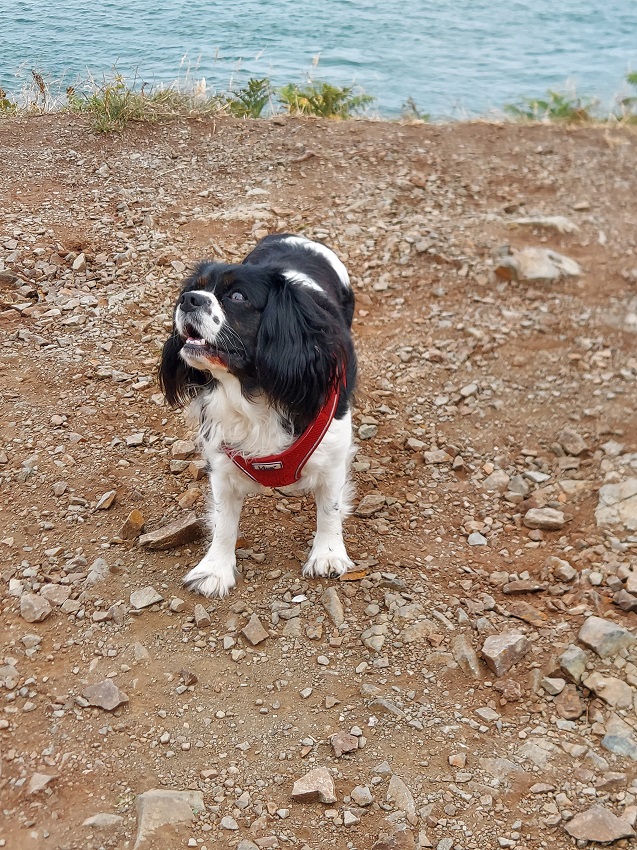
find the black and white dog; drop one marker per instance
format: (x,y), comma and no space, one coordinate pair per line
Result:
(263,352)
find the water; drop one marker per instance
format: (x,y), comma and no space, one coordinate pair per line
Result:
(453,57)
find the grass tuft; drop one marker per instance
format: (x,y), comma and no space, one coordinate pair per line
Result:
(323,100)
(554,106)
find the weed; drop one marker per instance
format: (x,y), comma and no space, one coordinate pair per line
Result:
(628,105)
(410,111)
(323,99)
(554,106)
(7,107)
(250,101)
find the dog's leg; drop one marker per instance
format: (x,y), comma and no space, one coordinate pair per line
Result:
(214,575)
(329,556)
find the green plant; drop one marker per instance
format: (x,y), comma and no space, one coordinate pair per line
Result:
(7,107)
(323,99)
(554,106)
(628,105)
(250,101)
(411,112)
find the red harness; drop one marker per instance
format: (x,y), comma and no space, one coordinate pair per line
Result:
(284,469)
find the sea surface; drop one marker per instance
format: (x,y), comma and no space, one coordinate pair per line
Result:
(451,57)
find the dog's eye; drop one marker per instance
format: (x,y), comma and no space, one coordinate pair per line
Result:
(238,296)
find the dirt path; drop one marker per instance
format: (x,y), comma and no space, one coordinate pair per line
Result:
(468,382)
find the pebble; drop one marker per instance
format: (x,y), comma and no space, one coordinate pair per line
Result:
(202,617)
(104,503)
(502,651)
(104,820)
(159,808)
(572,442)
(186,529)
(370,504)
(598,824)
(568,704)
(605,637)
(133,525)
(228,823)
(437,456)
(315,785)
(343,742)
(105,695)
(548,519)
(34,608)
(253,631)
(331,601)
(183,449)
(477,539)
(362,796)
(145,597)
(399,795)
(573,663)
(39,781)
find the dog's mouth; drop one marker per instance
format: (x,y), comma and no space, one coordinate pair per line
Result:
(197,347)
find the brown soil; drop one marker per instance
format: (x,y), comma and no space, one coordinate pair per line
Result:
(417,213)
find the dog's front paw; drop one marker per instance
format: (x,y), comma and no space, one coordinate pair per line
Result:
(210,579)
(327,565)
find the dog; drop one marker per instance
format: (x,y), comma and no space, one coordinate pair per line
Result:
(262,353)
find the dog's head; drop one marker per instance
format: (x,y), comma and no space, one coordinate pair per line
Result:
(276,336)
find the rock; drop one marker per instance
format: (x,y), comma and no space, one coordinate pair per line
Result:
(568,704)
(553,222)
(548,519)
(399,795)
(160,808)
(34,608)
(56,594)
(370,504)
(104,820)
(523,611)
(97,572)
(573,663)
(386,706)
(562,570)
(183,530)
(502,651)
(612,690)
(398,837)
(315,785)
(497,482)
(228,823)
(246,844)
(145,597)
(626,601)
(39,781)
(343,742)
(177,605)
(182,449)
(572,442)
(523,586)
(477,539)
(466,657)
(362,796)
(202,617)
(349,818)
(437,456)
(535,264)
(9,677)
(553,686)
(600,825)
(105,695)
(618,505)
(103,504)
(133,525)
(331,601)
(253,631)
(605,637)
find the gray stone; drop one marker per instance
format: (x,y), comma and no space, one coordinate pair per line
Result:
(159,808)
(97,572)
(343,742)
(9,677)
(600,825)
(370,504)
(331,601)
(39,781)
(105,502)
(553,686)
(572,442)
(605,637)
(562,570)
(184,530)
(573,663)
(183,449)
(548,519)
(229,823)
(536,264)
(253,631)
(399,795)
(618,504)
(502,651)
(466,657)
(34,608)
(145,597)
(56,594)
(315,785)
(104,820)
(395,837)
(612,690)
(477,539)
(362,796)
(202,617)
(497,482)
(105,695)
(437,456)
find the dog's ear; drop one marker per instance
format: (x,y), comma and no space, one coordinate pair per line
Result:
(301,350)
(179,382)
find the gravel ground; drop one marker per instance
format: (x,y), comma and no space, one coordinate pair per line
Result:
(474,683)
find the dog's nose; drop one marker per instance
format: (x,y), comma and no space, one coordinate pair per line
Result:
(190,301)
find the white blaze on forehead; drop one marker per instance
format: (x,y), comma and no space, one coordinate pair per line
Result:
(325,252)
(302,280)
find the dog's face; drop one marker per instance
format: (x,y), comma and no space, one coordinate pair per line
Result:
(249,321)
